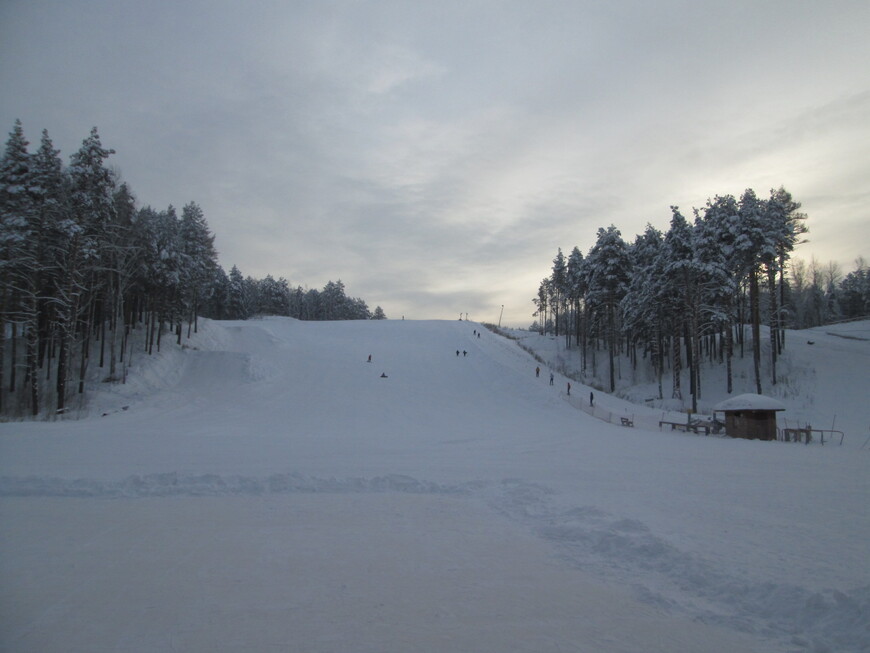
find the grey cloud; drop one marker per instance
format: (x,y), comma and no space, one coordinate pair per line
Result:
(437,154)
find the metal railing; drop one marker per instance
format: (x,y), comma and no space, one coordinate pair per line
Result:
(806,436)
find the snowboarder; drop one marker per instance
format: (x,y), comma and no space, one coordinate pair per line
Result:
(383,375)
(591,397)
(537,372)
(370,358)
(569,388)
(551,378)
(464,353)
(457,352)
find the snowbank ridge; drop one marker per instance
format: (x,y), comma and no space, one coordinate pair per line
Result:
(175,484)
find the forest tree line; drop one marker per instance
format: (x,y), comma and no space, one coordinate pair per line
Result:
(675,298)
(82,268)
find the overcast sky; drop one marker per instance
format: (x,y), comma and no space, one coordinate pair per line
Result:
(434,155)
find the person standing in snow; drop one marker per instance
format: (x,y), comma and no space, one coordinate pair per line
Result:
(590,398)
(569,388)
(537,372)
(370,358)
(551,378)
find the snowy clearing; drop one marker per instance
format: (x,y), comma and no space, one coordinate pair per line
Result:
(266,489)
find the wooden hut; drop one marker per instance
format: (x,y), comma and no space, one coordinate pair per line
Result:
(750,416)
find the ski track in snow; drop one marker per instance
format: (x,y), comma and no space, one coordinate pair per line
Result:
(627,549)
(586,537)
(243,367)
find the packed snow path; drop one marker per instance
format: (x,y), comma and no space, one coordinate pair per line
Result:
(270,490)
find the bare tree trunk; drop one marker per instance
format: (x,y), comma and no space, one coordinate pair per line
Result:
(729,354)
(33,376)
(774,322)
(755,319)
(2,350)
(13,356)
(103,318)
(781,340)
(86,346)
(66,333)
(678,365)
(31,338)
(659,354)
(151,333)
(696,359)
(611,345)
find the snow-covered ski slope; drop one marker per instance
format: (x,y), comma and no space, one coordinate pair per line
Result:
(266,489)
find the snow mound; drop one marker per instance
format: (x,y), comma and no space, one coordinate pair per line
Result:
(176,484)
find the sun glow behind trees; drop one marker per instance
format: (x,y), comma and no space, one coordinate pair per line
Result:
(687,294)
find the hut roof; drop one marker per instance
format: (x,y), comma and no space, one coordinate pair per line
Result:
(749,401)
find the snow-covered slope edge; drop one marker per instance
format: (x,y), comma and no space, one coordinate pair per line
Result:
(764,538)
(823,378)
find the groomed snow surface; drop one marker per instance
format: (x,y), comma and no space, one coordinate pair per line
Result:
(266,489)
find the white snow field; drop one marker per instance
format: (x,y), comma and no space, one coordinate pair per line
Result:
(265,489)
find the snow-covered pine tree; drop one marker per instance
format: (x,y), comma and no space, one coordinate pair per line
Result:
(274,296)
(91,209)
(855,291)
(558,288)
(683,275)
(752,247)
(163,271)
(49,187)
(542,303)
(576,291)
(787,226)
(18,261)
(714,251)
(218,292)
(200,259)
(237,301)
(609,269)
(124,260)
(642,308)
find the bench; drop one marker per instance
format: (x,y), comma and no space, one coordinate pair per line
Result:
(695,427)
